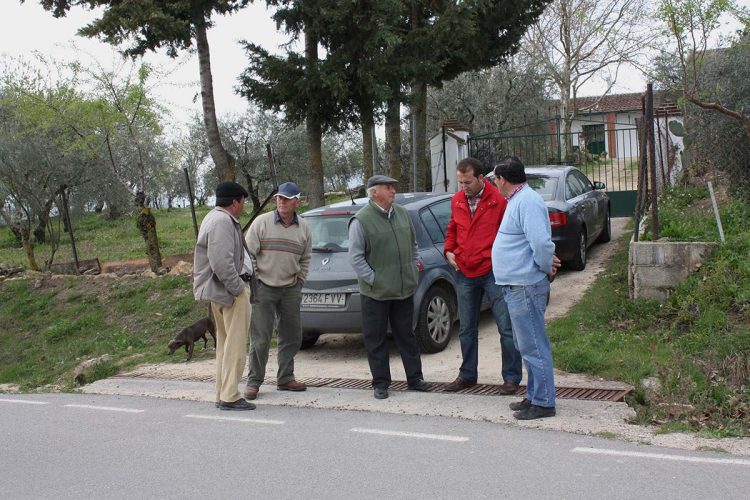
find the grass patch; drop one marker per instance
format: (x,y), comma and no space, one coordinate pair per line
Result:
(53,325)
(607,435)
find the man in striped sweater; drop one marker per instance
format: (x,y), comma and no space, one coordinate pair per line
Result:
(280,245)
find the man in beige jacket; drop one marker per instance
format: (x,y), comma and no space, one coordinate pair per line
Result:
(219,277)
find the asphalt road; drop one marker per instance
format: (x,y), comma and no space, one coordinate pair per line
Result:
(92,446)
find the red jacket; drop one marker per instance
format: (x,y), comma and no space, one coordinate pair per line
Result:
(471,239)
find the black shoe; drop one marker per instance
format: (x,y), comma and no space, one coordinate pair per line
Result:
(240,404)
(534,412)
(520,405)
(381,393)
(420,385)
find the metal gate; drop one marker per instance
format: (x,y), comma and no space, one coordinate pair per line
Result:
(605,151)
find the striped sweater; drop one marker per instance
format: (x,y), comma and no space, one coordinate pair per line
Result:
(280,255)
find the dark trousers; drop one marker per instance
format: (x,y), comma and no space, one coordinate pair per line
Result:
(375,317)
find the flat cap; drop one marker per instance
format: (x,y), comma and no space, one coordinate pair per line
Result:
(380,179)
(231,190)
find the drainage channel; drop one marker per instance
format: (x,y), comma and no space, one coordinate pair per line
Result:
(580,393)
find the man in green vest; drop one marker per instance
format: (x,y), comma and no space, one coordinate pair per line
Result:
(383,253)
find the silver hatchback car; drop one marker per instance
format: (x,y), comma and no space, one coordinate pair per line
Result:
(330,296)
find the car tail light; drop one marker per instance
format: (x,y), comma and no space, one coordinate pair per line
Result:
(420,265)
(558,219)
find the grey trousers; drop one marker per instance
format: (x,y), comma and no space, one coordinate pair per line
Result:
(270,302)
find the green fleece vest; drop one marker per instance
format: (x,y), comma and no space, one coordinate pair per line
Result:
(388,250)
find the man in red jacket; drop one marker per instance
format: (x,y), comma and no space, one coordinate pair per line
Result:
(476,212)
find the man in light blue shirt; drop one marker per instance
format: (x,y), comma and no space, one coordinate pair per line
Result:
(523,264)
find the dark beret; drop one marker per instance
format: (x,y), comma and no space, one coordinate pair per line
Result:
(230,190)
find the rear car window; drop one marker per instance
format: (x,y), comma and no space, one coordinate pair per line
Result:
(435,219)
(329,233)
(545,186)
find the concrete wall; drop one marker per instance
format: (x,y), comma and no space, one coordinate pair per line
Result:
(655,268)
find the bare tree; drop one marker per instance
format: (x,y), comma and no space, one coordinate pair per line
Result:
(577,40)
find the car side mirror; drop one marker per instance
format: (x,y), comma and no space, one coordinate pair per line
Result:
(599,185)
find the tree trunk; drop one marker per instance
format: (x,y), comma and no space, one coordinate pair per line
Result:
(225,167)
(313,129)
(419,110)
(146,223)
(40,231)
(367,145)
(393,138)
(252,191)
(28,248)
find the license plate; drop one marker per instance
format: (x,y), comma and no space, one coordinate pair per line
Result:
(324,299)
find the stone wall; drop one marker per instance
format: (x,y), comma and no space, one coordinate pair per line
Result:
(655,268)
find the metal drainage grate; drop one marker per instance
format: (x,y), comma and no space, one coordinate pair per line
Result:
(581,393)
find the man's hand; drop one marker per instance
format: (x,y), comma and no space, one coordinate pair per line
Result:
(451,260)
(556,263)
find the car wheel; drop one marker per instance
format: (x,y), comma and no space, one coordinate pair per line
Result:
(578,263)
(606,233)
(309,340)
(435,323)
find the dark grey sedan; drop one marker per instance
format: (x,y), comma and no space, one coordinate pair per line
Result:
(330,296)
(579,210)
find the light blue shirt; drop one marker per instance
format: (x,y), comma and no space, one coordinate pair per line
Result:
(523,248)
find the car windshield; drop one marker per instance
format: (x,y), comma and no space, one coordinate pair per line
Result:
(330,233)
(543,185)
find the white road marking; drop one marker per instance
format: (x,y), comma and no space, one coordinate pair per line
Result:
(24,401)
(417,435)
(238,419)
(662,456)
(106,408)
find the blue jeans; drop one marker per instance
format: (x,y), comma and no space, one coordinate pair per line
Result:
(526,305)
(470,293)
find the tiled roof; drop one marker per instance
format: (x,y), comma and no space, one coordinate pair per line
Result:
(623,102)
(612,102)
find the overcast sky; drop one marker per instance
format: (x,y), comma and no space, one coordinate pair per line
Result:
(27,28)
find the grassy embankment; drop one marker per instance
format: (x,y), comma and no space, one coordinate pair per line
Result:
(696,345)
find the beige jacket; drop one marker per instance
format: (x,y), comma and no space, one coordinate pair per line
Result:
(218,258)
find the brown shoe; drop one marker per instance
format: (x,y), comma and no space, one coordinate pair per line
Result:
(292,385)
(458,385)
(508,388)
(251,392)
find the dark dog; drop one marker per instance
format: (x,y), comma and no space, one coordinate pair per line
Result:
(189,335)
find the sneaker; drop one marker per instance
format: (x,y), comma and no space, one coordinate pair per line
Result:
(381,393)
(240,404)
(533,412)
(520,405)
(458,385)
(420,385)
(292,385)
